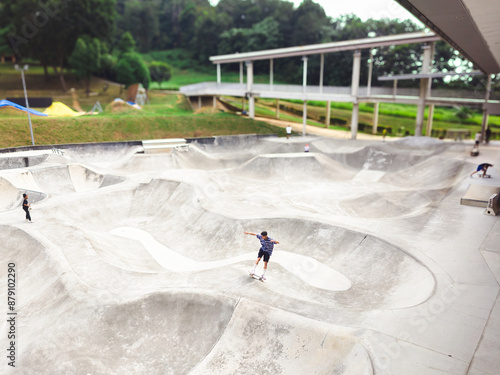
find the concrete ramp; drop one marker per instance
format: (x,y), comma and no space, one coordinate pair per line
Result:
(295,167)
(161,333)
(138,163)
(479,195)
(13,162)
(127,229)
(9,195)
(64,179)
(433,173)
(376,205)
(262,340)
(379,270)
(176,332)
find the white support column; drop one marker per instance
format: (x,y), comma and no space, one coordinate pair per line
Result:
(241,73)
(356,65)
(304,74)
(271,74)
(251,100)
(375,117)
(304,118)
(218,74)
(370,72)
(214,101)
(424,89)
(328,114)
(484,124)
(428,130)
(277,108)
(431,62)
(395,88)
(199,102)
(249,65)
(251,107)
(321,72)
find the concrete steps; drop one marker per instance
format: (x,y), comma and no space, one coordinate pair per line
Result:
(164,145)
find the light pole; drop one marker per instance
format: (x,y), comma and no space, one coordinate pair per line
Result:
(22,69)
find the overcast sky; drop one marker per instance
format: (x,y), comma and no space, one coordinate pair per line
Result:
(364,9)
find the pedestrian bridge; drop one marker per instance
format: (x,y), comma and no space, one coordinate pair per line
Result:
(422,96)
(335,93)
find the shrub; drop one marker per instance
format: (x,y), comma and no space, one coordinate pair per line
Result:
(160,71)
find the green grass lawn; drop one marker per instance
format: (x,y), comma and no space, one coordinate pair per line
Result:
(167,116)
(186,71)
(443,114)
(183,77)
(399,117)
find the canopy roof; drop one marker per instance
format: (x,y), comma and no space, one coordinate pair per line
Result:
(470,26)
(401,77)
(312,49)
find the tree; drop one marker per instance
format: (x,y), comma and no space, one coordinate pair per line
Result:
(311,25)
(126,44)
(208,27)
(141,18)
(159,71)
(5,48)
(131,69)
(48,31)
(86,58)
(177,19)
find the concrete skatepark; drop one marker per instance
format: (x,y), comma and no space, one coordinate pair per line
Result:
(137,262)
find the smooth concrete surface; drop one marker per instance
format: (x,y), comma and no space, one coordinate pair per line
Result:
(137,263)
(479,195)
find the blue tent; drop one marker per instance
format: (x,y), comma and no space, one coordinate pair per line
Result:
(7,103)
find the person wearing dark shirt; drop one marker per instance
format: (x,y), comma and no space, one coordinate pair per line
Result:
(26,208)
(482,168)
(265,251)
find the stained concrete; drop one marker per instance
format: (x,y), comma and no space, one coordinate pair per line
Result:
(137,263)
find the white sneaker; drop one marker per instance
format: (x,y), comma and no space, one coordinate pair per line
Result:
(262,277)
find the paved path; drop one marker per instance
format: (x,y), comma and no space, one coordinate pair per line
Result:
(319,131)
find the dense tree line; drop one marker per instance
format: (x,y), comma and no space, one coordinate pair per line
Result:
(104,37)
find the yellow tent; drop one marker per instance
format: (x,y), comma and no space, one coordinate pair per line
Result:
(61,110)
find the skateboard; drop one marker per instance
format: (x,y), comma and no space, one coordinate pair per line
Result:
(256,277)
(485,176)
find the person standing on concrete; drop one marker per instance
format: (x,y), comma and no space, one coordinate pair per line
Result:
(27,208)
(487,135)
(306,148)
(482,167)
(288,131)
(266,249)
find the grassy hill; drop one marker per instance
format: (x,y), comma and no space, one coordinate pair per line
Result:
(167,115)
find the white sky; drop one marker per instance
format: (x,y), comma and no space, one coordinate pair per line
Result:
(364,9)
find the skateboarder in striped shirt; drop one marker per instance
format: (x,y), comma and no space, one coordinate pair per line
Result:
(265,251)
